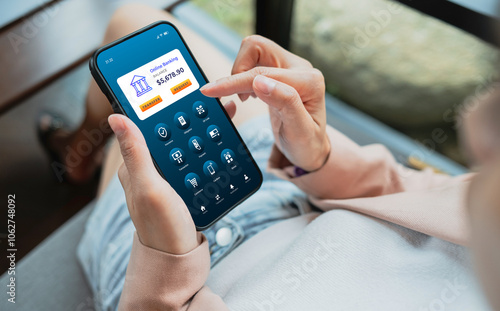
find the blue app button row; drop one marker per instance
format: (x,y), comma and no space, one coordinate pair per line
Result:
(177,157)
(210,168)
(182,121)
(193,181)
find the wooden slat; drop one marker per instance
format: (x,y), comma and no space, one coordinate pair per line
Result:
(42,47)
(12,11)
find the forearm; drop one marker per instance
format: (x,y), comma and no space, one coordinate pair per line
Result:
(352,171)
(157,280)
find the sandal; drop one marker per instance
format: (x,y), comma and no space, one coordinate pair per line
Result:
(47,124)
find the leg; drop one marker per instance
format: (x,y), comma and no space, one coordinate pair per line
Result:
(213,62)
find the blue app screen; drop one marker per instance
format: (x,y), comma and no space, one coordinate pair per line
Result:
(156,81)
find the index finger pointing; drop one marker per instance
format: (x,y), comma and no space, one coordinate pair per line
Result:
(304,81)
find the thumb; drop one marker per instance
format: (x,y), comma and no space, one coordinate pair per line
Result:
(133,147)
(285,99)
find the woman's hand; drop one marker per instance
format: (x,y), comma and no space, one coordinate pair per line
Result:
(160,216)
(294,91)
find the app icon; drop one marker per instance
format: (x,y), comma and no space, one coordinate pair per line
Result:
(210,168)
(246,177)
(200,109)
(227,156)
(177,156)
(196,144)
(140,85)
(231,186)
(162,131)
(213,132)
(203,208)
(181,120)
(192,181)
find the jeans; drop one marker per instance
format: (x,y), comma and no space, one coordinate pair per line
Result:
(104,249)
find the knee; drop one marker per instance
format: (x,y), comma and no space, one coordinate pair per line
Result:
(127,13)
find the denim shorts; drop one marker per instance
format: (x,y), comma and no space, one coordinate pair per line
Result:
(104,249)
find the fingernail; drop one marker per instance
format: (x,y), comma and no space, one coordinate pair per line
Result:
(207,86)
(116,124)
(264,84)
(244,97)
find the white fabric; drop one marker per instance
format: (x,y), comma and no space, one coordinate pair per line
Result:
(342,260)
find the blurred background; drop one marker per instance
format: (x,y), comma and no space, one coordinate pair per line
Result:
(412,65)
(400,65)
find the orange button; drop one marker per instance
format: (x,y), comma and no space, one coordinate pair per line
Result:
(150,103)
(181,86)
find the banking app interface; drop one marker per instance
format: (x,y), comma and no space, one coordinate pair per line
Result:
(157,83)
(169,75)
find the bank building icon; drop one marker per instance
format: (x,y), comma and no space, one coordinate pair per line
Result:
(140,85)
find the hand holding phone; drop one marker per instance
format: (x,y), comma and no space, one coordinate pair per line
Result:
(152,77)
(159,214)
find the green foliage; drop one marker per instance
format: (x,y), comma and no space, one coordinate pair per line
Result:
(235,14)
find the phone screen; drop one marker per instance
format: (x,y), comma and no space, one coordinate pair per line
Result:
(156,80)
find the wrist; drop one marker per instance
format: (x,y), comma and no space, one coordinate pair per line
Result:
(177,242)
(320,159)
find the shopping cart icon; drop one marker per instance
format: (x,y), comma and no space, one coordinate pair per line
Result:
(193,182)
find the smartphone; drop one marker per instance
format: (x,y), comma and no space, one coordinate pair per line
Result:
(152,77)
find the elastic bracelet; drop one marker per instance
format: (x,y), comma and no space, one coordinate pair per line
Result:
(298,171)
